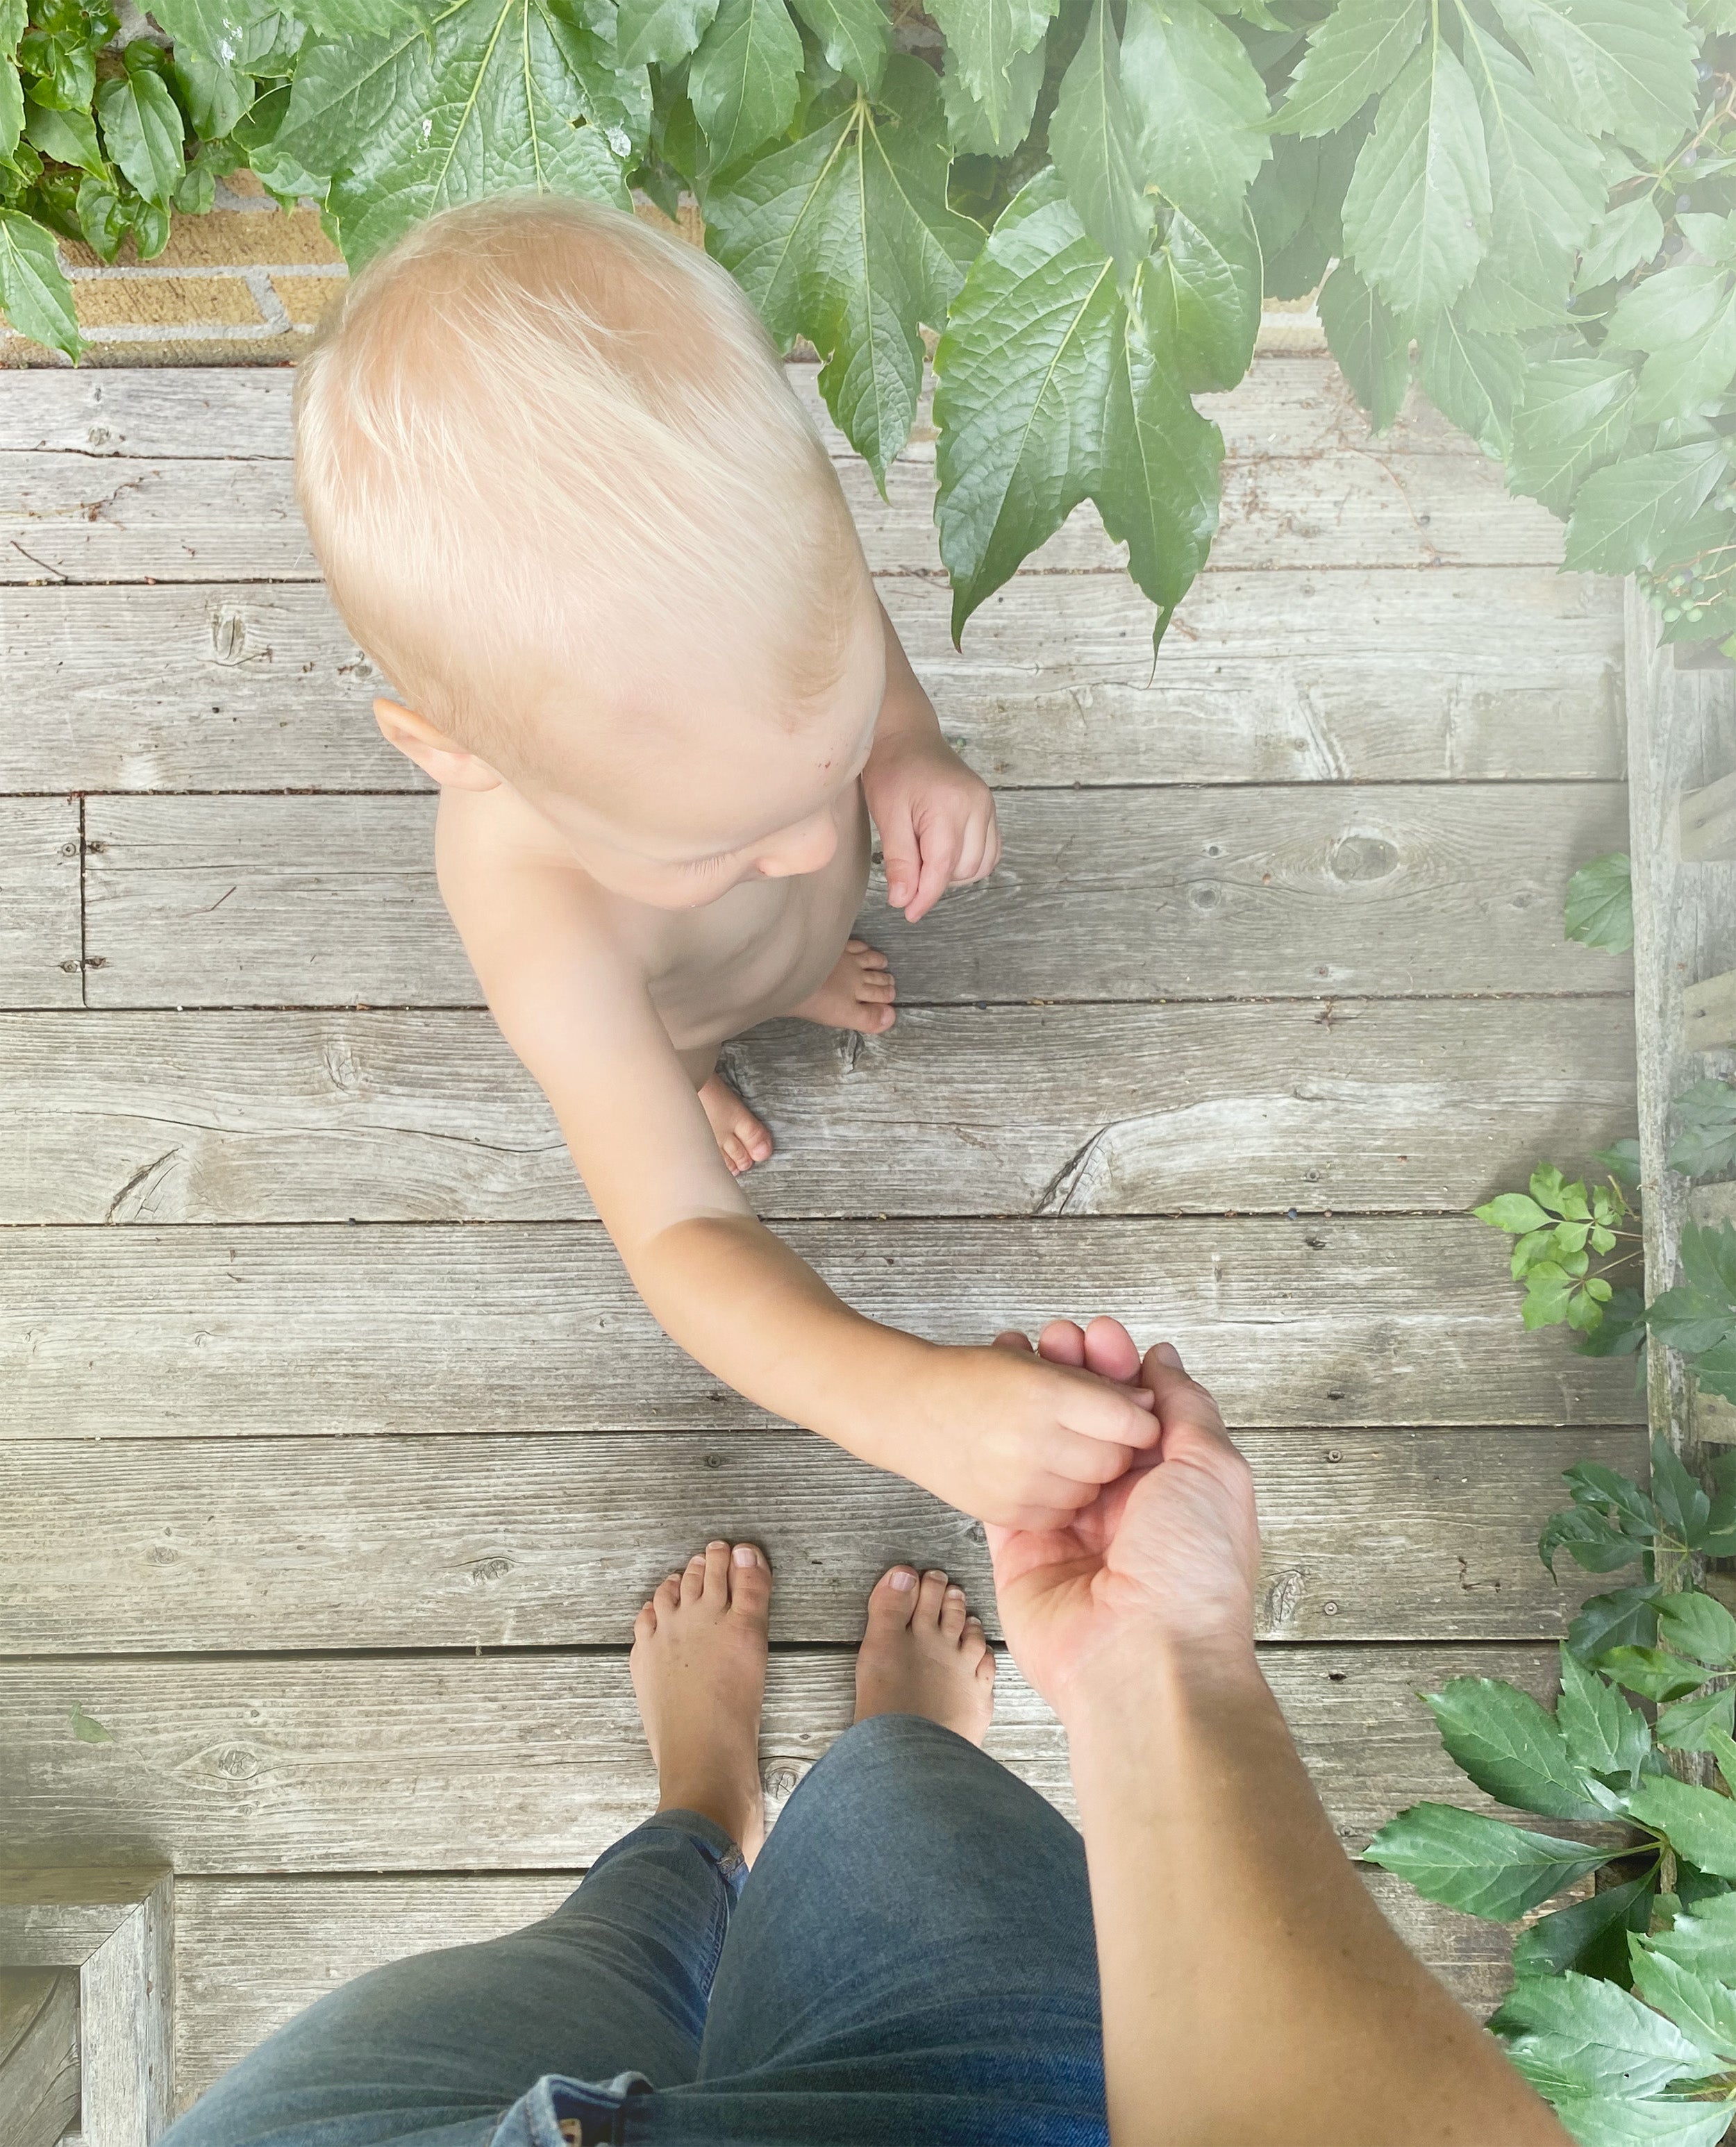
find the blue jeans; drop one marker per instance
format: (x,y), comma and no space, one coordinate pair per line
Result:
(912,1960)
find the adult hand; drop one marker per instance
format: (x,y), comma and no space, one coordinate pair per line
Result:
(1166,1555)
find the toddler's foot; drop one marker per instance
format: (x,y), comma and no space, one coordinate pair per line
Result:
(922,1654)
(857,994)
(699,1674)
(744,1140)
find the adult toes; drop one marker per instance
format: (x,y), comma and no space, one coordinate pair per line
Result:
(750,1581)
(715,1576)
(645,1624)
(668,1598)
(692,1579)
(893,1598)
(930,1597)
(952,1612)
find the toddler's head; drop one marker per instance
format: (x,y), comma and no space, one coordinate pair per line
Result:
(569,503)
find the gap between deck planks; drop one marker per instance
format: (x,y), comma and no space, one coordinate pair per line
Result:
(1353,1105)
(537,1542)
(309,1329)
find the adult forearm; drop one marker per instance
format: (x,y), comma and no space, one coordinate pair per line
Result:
(1252,1992)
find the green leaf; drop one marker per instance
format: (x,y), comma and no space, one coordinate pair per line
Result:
(142,130)
(1686,318)
(68,137)
(1625,513)
(1700,1823)
(1702,1938)
(741,83)
(663,32)
(1512,1211)
(972,126)
(1603,1732)
(1546,188)
(1592,1541)
(1702,2008)
(1606,1490)
(102,219)
(1092,141)
(1706,1112)
(1698,1625)
(1597,2120)
(1589,1936)
(985,42)
(1679,1495)
(1200,108)
(1600,907)
(1417,214)
(215,96)
(1511,1746)
(845,237)
(496,94)
(1626,1617)
(213,30)
(86,1727)
(1283,192)
(1651,1672)
(1622,1331)
(1574,415)
(855,37)
(1581,2028)
(1625,236)
(1198,302)
(12,109)
(1474,379)
(1623,68)
(1354,54)
(1467,1861)
(14,18)
(1372,351)
(33,288)
(1683,1727)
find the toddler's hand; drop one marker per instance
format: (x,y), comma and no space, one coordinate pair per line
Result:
(936,819)
(1015,1441)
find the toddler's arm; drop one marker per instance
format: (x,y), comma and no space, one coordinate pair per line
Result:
(1003,1438)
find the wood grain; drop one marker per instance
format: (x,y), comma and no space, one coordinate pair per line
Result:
(385,1117)
(536,1542)
(511,1328)
(1312,890)
(525,1762)
(38,2056)
(40,950)
(1289,675)
(255,1952)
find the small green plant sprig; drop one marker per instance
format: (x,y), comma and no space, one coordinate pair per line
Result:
(1623,2013)
(1558,1230)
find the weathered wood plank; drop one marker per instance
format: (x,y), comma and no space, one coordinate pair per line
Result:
(56,1915)
(1308,890)
(38,2056)
(134,1333)
(1466,673)
(39,921)
(255,1952)
(532,1542)
(535,1761)
(385,1117)
(126,2042)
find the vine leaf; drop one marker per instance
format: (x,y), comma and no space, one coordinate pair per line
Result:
(1417,214)
(971,127)
(1511,1747)
(1600,907)
(142,128)
(855,37)
(11,107)
(986,40)
(1625,67)
(1200,107)
(1626,511)
(1701,1824)
(1684,319)
(1629,233)
(1703,2009)
(1590,1936)
(1604,1733)
(1466,1860)
(1579,2030)
(1198,302)
(1575,415)
(1706,1112)
(1356,52)
(743,81)
(1092,141)
(845,237)
(664,32)
(1474,379)
(1372,348)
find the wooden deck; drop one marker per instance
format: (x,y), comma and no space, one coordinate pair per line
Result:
(336,1451)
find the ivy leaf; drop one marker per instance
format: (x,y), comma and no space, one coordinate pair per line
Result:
(1704,1937)
(1626,1617)
(1704,2009)
(1198,302)
(68,137)
(1684,1726)
(662,31)
(1623,68)
(1467,1861)
(855,37)
(1474,379)
(1200,108)
(495,94)
(1698,1625)
(1355,52)
(1625,512)
(11,107)
(1511,1747)
(1603,1732)
(214,30)
(34,291)
(987,40)
(1372,349)
(1590,1539)
(1608,1491)
(1546,186)
(1622,1331)
(1580,2029)
(1575,414)
(1600,907)
(743,81)
(845,237)
(1092,141)
(1589,1936)
(1651,1672)
(1598,2121)
(1701,1825)
(1416,216)
(142,129)
(1706,1112)
(1626,235)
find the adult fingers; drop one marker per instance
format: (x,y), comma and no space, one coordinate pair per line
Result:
(1062,1341)
(1181,1402)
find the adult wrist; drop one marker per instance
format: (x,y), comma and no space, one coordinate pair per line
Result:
(1148,1684)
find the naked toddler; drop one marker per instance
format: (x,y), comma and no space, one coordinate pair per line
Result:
(567,502)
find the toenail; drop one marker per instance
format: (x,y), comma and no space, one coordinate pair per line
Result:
(956,1591)
(934,1573)
(746,1554)
(717,1542)
(902,1578)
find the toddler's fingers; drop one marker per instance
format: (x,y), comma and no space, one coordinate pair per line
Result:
(1121,1414)
(1062,1341)
(939,854)
(903,859)
(1077,1458)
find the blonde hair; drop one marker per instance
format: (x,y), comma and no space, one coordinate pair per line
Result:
(539,442)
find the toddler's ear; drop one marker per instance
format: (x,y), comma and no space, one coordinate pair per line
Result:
(435,753)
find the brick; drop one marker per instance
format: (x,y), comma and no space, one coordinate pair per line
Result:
(305,298)
(249,238)
(163,302)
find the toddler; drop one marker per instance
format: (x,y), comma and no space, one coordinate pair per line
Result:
(567,502)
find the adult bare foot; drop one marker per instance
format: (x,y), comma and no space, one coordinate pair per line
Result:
(923,1653)
(698,1668)
(859,994)
(744,1140)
